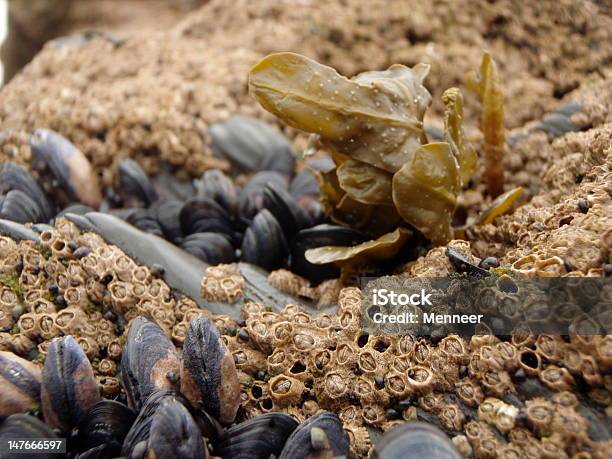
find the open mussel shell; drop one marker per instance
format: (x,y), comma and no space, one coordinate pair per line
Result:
(69,389)
(23,427)
(15,177)
(19,207)
(264,242)
(204,215)
(319,236)
(149,361)
(20,384)
(286,210)
(213,248)
(251,199)
(252,145)
(167,216)
(319,436)
(135,188)
(67,167)
(257,438)
(104,429)
(215,185)
(415,440)
(208,372)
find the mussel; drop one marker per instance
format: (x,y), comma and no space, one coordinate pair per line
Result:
(251,199)
(319,236)
(23,427)
(20,381)
(208,372)
(286,210)
(19,207)
(149,361)
(164,429)
(71,174)
(104,429)
(201,215)
(215,185)
(69,389)
(135,188)
(264,243)
(167,216)
(15,177)
(213,248)
(145,220)
(415,440)
(252,145)
(319,436)
(257,438)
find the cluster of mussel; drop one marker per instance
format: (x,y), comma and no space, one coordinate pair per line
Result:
(176,405)
(270,221)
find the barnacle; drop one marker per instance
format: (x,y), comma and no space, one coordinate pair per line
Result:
(487,85)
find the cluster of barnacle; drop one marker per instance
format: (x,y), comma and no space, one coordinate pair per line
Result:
(297,364)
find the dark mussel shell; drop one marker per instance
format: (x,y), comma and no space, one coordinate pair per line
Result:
(20,384)
(319,236)
(305,189)
(463,264)
(19,207)
(25,426)
(145,220)
(416,440)
(135,188)
(208,372)
(217,186)
(286,210)
(67,166)
(319,436)
(213,248)
(174,433)
(264,243)
(15,177)
(204,215)
(167,216)
(104,429)
(69,389)
(252,145)
(257,438)
(139,432)
(251,199)
(149,361)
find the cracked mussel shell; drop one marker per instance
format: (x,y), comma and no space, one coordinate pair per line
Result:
(69,389)
(20,381)
(257,438)
(208,372)
(164,429)
(25,426)
(264,243)
(415,440)
(319,436)
(149,361)
(104,429)
(70,173)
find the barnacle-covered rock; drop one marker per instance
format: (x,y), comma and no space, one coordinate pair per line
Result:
(223,283)
(208,372)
